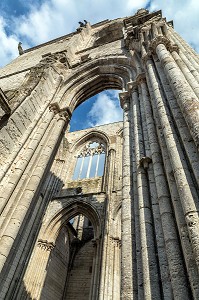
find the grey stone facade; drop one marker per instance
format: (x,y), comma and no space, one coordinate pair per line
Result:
(132,233)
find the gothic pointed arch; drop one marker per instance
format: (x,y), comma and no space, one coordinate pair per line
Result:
(69,210)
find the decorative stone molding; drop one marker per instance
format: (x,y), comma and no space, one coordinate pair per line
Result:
(165,41)
(33,77)
(45,245)
(145,161)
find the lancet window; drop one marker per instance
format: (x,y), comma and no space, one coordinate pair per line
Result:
(90,161)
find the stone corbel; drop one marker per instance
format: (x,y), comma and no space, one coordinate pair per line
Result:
(45,245)
(145,161)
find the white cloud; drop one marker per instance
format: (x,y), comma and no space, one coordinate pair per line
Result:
(9,43)
(59,17)
(105,110)
(53,18)
(185,16)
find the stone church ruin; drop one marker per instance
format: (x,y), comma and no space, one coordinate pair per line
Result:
(109,212)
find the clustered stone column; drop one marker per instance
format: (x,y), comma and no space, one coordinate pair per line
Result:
(165,121)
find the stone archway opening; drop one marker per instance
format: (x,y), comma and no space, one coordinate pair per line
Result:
(102,108)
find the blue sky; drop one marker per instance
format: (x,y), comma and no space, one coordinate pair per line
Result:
(36,21)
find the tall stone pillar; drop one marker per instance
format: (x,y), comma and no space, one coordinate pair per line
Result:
(168,225)
(147,238)
(187,193)
(127,219)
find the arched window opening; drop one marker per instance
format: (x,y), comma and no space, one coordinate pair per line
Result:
(90,161)
(103,108)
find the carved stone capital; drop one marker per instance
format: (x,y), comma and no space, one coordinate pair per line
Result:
(160,39)
(45,245)
(145,161)
(124,100)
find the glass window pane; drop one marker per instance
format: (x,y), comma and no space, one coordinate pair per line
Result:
(85,167)
(77,168)
(100,170)
(93,166)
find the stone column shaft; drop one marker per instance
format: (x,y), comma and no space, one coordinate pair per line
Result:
(186,138)
(191,266)
(191,66)
(186,98)
(149,263)
(187,74)
(179,284)
(188,199)
(126,217)
(191,54)
(107,258)
(162,257)
(137,259)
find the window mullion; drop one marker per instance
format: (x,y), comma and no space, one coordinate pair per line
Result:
(80,171)
(89,167)
(97,164)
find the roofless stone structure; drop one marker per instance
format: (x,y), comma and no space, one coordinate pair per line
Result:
(109,212)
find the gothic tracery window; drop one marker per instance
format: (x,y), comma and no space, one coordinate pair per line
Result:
(90,161)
